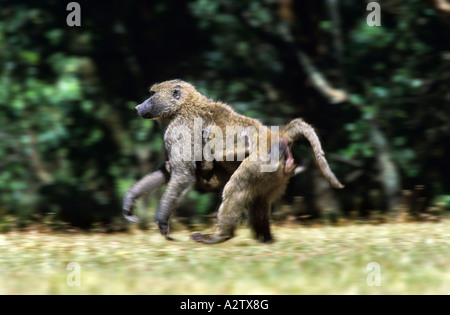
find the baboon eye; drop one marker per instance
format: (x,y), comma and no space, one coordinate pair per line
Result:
(177,93)
(152,93)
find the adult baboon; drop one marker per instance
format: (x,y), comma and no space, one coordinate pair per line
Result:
(252,174)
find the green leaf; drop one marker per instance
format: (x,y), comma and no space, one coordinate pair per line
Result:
(18,104)
(30,57)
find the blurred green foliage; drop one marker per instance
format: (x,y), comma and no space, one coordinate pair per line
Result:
(71,144)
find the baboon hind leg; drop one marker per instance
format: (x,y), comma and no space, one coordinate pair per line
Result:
(230,212)
(258,219)
(234,196)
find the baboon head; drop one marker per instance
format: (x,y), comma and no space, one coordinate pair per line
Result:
(165,100)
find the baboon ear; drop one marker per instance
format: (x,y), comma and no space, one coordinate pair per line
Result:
(177,92)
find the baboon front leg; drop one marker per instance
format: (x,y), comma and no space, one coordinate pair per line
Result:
(258,219)
(152,181)
(177,188)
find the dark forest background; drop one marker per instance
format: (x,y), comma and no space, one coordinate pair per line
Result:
(71,143)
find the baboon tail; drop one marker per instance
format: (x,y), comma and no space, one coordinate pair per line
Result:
(298,127)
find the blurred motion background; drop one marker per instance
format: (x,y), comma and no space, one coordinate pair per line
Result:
(71,143)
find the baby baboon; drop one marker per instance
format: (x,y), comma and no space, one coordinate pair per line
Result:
(253,163)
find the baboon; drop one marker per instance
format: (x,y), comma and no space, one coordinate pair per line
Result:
(246,174)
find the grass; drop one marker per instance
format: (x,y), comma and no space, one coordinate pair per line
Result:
(414,258)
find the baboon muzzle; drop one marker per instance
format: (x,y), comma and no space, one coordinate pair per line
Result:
(144,109)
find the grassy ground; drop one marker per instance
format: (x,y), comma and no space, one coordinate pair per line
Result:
(412,258)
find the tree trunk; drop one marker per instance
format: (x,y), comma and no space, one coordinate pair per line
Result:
(389,175)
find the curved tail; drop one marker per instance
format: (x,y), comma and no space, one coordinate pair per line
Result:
(298,127)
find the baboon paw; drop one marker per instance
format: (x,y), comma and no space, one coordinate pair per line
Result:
(266,240)
(164,229)
(130,217)
(209,238)
(169,238)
